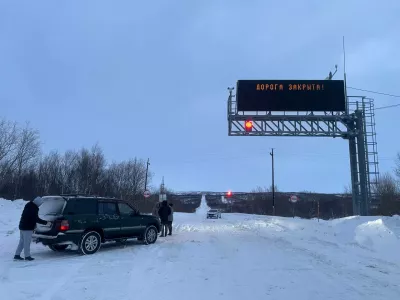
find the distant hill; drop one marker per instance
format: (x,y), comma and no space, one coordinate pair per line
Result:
(310,205)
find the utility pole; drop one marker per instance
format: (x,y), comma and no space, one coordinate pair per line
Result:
(162,195)
(273,182)
(147,170)
(162,186)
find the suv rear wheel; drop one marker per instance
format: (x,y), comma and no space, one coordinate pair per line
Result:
(150,235)
(90,242)
(58,248)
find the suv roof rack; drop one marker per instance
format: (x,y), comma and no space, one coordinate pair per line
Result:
(76,195)
(86,195)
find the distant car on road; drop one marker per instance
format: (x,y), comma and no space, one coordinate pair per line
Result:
(85,222)
(214,213)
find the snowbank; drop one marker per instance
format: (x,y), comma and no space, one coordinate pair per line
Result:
(10,214)
(282,258)
(203,208)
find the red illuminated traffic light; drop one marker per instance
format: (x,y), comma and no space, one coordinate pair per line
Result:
(229,194)
(248,125)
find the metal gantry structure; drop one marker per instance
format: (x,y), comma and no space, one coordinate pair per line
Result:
(356,124)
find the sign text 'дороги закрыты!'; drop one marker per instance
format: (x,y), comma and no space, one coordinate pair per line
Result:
(290,87)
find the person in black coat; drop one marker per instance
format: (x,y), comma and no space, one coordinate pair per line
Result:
(163,213)
(27,224)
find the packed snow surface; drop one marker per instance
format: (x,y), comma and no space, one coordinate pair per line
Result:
(237,257)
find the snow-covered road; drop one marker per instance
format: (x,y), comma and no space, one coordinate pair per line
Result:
(236,257)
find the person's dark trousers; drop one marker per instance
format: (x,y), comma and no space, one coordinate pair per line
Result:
(169,227)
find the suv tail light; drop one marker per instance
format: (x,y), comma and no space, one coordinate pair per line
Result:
(64,225)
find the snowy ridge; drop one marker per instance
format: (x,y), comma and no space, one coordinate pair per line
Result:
(281,258)
(211,193)
(203,208)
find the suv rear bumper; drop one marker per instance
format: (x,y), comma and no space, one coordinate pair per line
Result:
(213,216)
(60,238)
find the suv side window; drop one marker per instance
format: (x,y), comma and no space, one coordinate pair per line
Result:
(81,207)
(85,206)
(125,209)
(108,208)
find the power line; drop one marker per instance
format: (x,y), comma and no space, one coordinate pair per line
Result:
(210,156)
(379,93)
(374,92)
(389,106)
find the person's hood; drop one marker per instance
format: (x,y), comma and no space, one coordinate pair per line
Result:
(38,201)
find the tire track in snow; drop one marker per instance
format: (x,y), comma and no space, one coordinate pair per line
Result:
(146,262)
(59,283)
(181,259)
(67,271)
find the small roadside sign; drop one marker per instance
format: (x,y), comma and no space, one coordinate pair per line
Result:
(293,199)
(146,194)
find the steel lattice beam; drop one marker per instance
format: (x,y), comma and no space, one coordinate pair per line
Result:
(323,126)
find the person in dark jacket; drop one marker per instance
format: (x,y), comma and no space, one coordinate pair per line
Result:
(163,213)
(27,223)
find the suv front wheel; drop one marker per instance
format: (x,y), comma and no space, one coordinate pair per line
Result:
(150,235)
(90,243)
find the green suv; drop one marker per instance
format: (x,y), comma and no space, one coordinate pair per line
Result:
(85,222)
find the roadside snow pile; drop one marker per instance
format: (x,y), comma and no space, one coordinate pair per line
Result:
(376,233)
(203,208)
(381,235)
(10,212)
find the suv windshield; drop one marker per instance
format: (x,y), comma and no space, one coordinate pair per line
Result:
(213,210)
(51,206)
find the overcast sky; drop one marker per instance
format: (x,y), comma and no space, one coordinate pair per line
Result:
(149,79)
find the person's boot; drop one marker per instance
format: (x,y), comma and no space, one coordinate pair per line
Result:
(29,258)
(18,257)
